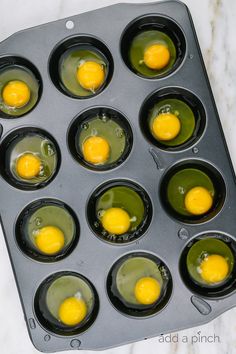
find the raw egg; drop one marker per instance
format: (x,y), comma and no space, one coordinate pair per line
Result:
(19,90)
(96,150)
(83,71)
(166,126)
(28,166)
(170,121)
(102,140)
(66,303)
(72,311)
(152,53)
(147,290)
(214,268)
(115,221)
(32,159)
(47,230)
(119,212)
(90,75)
(198,200)
(156,56)
(191,192)
(16,94)
(49,239)
(139,284)
(210,261)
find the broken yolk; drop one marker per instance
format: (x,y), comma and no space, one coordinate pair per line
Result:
(96,150)
(156,56)
(198,201)
(214,269)
(72,311)
(28,166)
(166,126)
(90,75)
(50,240)
(116,221)
(16,94)
(147,290)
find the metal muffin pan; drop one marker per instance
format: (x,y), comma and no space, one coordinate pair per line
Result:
(146,165)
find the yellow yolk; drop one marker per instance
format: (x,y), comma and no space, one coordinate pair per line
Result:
(28,166)
(50,239)
(166,126)
(116,221)
(147,290)
(16,94)
(96,150)
(157,56)
(72,311)
(214,269)
(90,75)
(198,201)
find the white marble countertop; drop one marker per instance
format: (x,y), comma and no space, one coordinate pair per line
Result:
(215,25)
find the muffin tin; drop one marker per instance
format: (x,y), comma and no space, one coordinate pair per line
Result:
(146,166)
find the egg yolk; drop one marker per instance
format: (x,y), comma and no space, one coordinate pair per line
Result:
(156,56)
(96,150)
(16,94)
(28,166)
(214,269)
(116,221)
(166,126)
(147,290)
(72,311)
(50,239)
(198,201)
(90,75)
